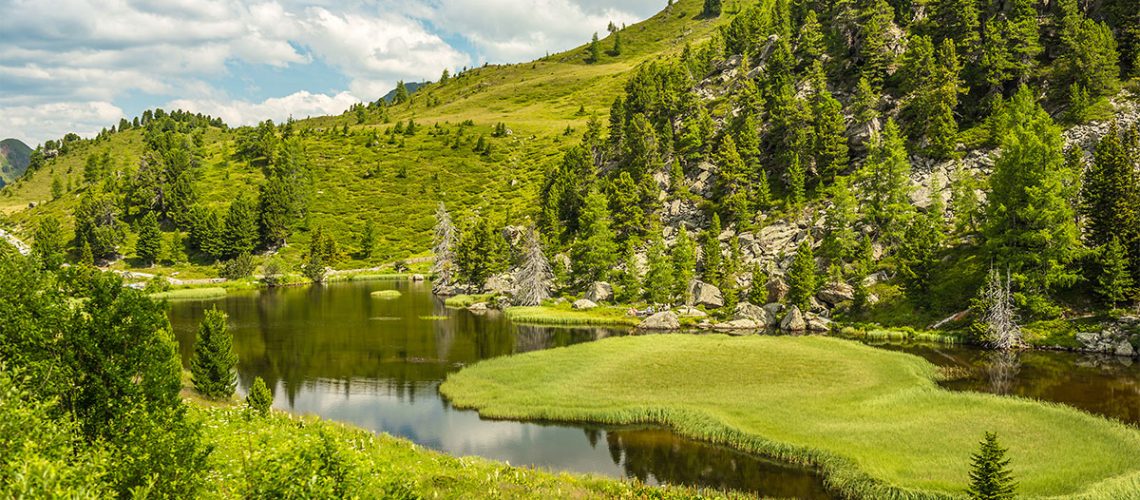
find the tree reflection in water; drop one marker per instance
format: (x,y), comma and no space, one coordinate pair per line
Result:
(1002,368)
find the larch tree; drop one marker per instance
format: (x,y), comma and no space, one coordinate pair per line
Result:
(885,181)
(803,278)
(149,245)
(595,251)
(839,238)
(684,257)
(712,268)
(659,277)
(534,277)
(213,367)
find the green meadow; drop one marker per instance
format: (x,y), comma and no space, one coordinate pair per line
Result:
(875,422)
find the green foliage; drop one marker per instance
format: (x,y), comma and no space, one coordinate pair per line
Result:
(1115,282)
(885,181)
(240,232)
(323,252)
(712,8)
(629,279)
(758,292)
(659,278)
(260,398)
(803,280)
(595,250)
(97,224)
(213,367)
(839,238)
(712,262)
(595,50)
(990,478)
(481,251)
(1110,194)
(48,245)
(149,245)
(239,267)
(920,253)
(684,257)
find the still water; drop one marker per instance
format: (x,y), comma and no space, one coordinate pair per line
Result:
(341,354)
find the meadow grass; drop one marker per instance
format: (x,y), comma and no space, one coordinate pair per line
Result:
(192,294)
(464,301)
(250,451)
(387,294)
(874,421)
(563,315)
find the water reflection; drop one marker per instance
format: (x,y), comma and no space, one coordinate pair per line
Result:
(338,353)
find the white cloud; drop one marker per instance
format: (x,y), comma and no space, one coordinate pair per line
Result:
(298,105)
(46,121)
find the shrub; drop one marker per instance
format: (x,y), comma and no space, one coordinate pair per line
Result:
(260,399)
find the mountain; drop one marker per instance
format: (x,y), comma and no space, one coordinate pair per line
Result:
(412,88)
(14,159)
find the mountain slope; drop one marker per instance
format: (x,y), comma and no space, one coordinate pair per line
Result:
(14,159)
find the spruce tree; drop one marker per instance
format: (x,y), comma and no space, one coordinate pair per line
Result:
(712,269)
(47,243)
(534,277)
(1110,196)
(803,277)
(368,239)
(617,48)
(839,238)
(149,245)
(758,291)
(865,106)
(830,136)
(732,184)
(629,278)
(595,251)
(213,367)
(260,398)
(874,52)
(1030,225)
(1115,281)
(240,227)
(885,181)
(659,278)
(990,477)
(595,50)
(919,255)
(684,257)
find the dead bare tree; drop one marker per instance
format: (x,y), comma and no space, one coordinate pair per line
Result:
(534,277)
(1000,319)
(445,239)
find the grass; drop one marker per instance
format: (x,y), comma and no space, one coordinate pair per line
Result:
(387,294)
(875,422)
(562,314)
(465,301)
(282,455)
(191,294)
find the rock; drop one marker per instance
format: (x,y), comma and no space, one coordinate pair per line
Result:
(744,310)
(706,295)
(1088,340)
(774,309)
(835,293)
(1125,349)
(514,235)
(599,291)
(777,289)
(478,307)
(817,323)
(794,321)
(876,278)
(498,284)
(661,321)
(690,312)
(584,304)
(417,277)
(818,307)
(739,324)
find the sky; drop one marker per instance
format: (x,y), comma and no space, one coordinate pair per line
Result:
(81,65)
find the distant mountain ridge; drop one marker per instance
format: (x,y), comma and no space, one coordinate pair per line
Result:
(14,159)
(411,86)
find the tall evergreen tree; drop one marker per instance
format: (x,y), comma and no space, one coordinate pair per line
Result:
(684,256)
(149,245)
(595,50)
(885,179)
(1030,225)
(260,398)
(47,243)
(732,183)
(839,238)
(830,136)
(595,251)
(919,254)
(1110,196)
(1115,282)
(712,268)
(990,477)
(629,278)
(803,280)
(241,226)
(213,367)
(659,278)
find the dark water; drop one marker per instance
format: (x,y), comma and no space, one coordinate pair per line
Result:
(339,353)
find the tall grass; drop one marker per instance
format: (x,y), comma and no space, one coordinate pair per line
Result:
(191,294)
(550,315)
(873,421)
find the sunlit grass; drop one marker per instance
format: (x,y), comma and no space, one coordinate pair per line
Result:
(192,294)
(387,294)
(563,315)
(874,421)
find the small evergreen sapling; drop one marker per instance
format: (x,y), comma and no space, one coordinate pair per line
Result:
(990,477)
(212,369)
(260,398)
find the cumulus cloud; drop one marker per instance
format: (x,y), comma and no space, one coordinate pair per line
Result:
(45,121)
(298,105)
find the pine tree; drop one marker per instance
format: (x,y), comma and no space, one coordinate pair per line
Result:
(1114,282)
(885,180)
(595,50)
(964,200)
(212,369)
(659,278)
(957,20)
(1089,58)
(874,51)
(712,8)
(240,233)
(712,270)
(595,250)
(481,251)
(617,48)
(444,241)
(733,183)
(629,279)
(990,477)
(684,257)
(803,276)
(368,239)
(797,182)
(47,243)
(830,136)
(810,46)
(919,254)
(534,276)
(758,291)
(260,398)
(839,238)
(149,245)
(865,107)
(1110,196)
(1030,225)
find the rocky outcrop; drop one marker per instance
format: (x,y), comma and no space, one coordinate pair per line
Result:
(745,310)
(777,289)
(836,293)
(1120,338)
(478,307)
(817,323)
(690,312)
(707,295)
(794,321)
(667,320)
(499,284)
(584,304)
(774,309)
(739,324)
(599,291)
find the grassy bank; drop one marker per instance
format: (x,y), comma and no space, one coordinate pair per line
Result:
(563,314)
(209,293)
(285,456)
(874,421)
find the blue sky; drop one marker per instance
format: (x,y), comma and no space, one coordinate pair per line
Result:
(80,65)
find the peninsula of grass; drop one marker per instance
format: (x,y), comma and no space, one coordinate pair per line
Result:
(387,294)
(464,301)
(210,293)
(874,422)
(564,315)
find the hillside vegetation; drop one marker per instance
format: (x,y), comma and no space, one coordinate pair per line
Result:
(14,159)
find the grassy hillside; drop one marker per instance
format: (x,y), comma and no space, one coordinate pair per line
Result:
(397,184)
(14,157)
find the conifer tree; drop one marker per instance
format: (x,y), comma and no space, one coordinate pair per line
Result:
(712,270)
(885,179)
(444,240)
(617,48)
(481,251)
(865,107)
(684,257)
(213,366)
(919,254)
(839,239)
(990,477)
(241,227)
(874,52)
(1115,281)
(797,182)
(957,20)
(964,200)
(260,398)
(1089,57)
(149,244)
(1110,195)
(47,243)
(534,276)
(758,291)
(1030,225)
(368,239)
(595,50)
(659,278)
(810,46)
(803,276)
(629,279)
(830,136)
(733,183)
(595,250)
(712,8)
